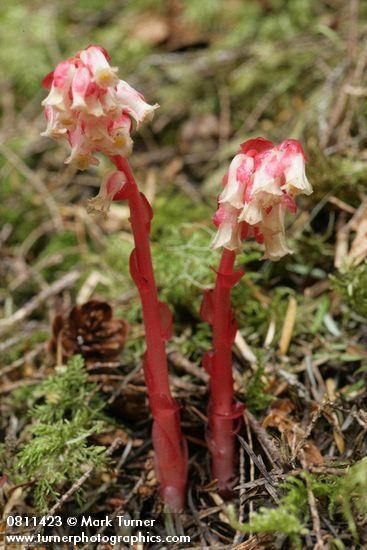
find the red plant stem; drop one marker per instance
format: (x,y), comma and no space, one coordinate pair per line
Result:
(169,445)
(222,411)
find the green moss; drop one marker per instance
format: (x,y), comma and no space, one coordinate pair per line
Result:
(351,285)
(256,397)
(175,208)
(334,494)
(195,341)
(65,411)
(56,455)
(351,495)
(288,518)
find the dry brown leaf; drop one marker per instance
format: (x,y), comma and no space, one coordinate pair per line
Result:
(145,491)
(279,416)
(312,454)
(281,419)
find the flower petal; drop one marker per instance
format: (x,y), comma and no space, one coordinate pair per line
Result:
(134,103)
(111,184)
(273,231)
(239,175)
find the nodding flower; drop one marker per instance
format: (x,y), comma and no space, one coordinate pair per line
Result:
(112,183)
(259,188)
(89,106)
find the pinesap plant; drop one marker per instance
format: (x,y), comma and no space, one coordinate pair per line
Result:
(90,107)
(258,188)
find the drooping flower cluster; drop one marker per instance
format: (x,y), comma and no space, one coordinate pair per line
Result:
(89,106)
(259,187)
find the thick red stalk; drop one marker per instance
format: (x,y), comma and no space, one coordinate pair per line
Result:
(222,413)
(169,445)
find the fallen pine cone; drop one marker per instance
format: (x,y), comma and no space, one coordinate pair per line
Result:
(89,330)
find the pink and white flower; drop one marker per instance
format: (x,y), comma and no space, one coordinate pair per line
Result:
(135,104)
(238,179)
(62,76)
(229,230)
(89,106)
(294,170)
(111,184)
(56,126)
(79,88)
(259,188)
(96,60)
(272,229)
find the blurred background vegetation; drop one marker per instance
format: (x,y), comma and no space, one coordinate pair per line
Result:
(223,71)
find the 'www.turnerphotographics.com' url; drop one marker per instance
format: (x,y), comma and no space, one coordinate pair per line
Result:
(142,538)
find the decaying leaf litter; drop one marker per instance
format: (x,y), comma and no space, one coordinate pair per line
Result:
(300,357)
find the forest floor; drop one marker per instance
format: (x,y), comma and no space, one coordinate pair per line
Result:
(75,439)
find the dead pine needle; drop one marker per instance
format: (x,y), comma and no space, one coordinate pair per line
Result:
(288,326)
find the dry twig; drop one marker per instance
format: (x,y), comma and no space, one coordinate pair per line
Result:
(66,281)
